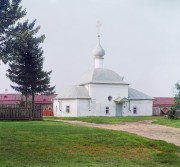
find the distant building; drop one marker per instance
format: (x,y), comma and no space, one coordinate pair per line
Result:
(162,104)
(102,92)
(14,99)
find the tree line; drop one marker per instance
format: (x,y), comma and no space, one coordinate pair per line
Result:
(20,49)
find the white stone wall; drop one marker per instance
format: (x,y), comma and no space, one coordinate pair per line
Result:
(78,108)
(56,108)
(144,108)
(98,62)
(101,109)
(126,111)
(97,105)
(101,92)
(59,108)
(83,108)
(87,107)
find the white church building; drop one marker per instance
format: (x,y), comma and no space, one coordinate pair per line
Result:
(101,92)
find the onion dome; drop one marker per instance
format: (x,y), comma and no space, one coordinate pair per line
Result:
(98,51)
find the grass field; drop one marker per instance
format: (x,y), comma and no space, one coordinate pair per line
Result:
(57,144)
(121,120)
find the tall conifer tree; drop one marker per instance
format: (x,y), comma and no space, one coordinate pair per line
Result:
(10,13)
(26,70)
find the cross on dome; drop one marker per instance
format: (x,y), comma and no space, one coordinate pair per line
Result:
(98,27)
(98,52)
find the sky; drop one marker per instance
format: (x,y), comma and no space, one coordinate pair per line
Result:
(141,39)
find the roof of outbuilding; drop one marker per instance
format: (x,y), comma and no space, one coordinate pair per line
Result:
(74,92)
(10,97)
(163,101)
(14,98)
(137,95)
(101,75)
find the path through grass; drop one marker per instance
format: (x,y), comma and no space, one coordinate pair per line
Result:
(54,144)
(120,120)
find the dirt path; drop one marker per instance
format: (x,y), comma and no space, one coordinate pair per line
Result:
(142,128)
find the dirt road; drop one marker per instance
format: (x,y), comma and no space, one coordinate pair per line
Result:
(142,128)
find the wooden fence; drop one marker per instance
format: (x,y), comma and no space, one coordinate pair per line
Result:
(177,113)
(15,112)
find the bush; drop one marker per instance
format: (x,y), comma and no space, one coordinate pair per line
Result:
(172,114)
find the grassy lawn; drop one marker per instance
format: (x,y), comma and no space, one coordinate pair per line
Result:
(57,144)
(121,120)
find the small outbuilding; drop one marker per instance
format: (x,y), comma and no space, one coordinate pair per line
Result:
(161,105)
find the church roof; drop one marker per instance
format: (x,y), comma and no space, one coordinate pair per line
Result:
(74,92)
(101,75)
(137,95)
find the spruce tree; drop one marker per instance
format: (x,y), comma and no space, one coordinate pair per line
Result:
(26,70)
(10,13)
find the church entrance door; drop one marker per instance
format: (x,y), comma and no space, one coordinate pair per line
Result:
(118,109)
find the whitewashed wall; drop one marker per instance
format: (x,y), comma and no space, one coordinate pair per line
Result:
(78,108)
(126,111)
(73,108)
(101,109)
(101,92)
(56,108)
(97,105)
(83,108)
(144,108)
(59,108)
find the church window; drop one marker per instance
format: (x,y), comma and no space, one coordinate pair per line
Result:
(109,98)
(67,109)
(107,110)
(134,110)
